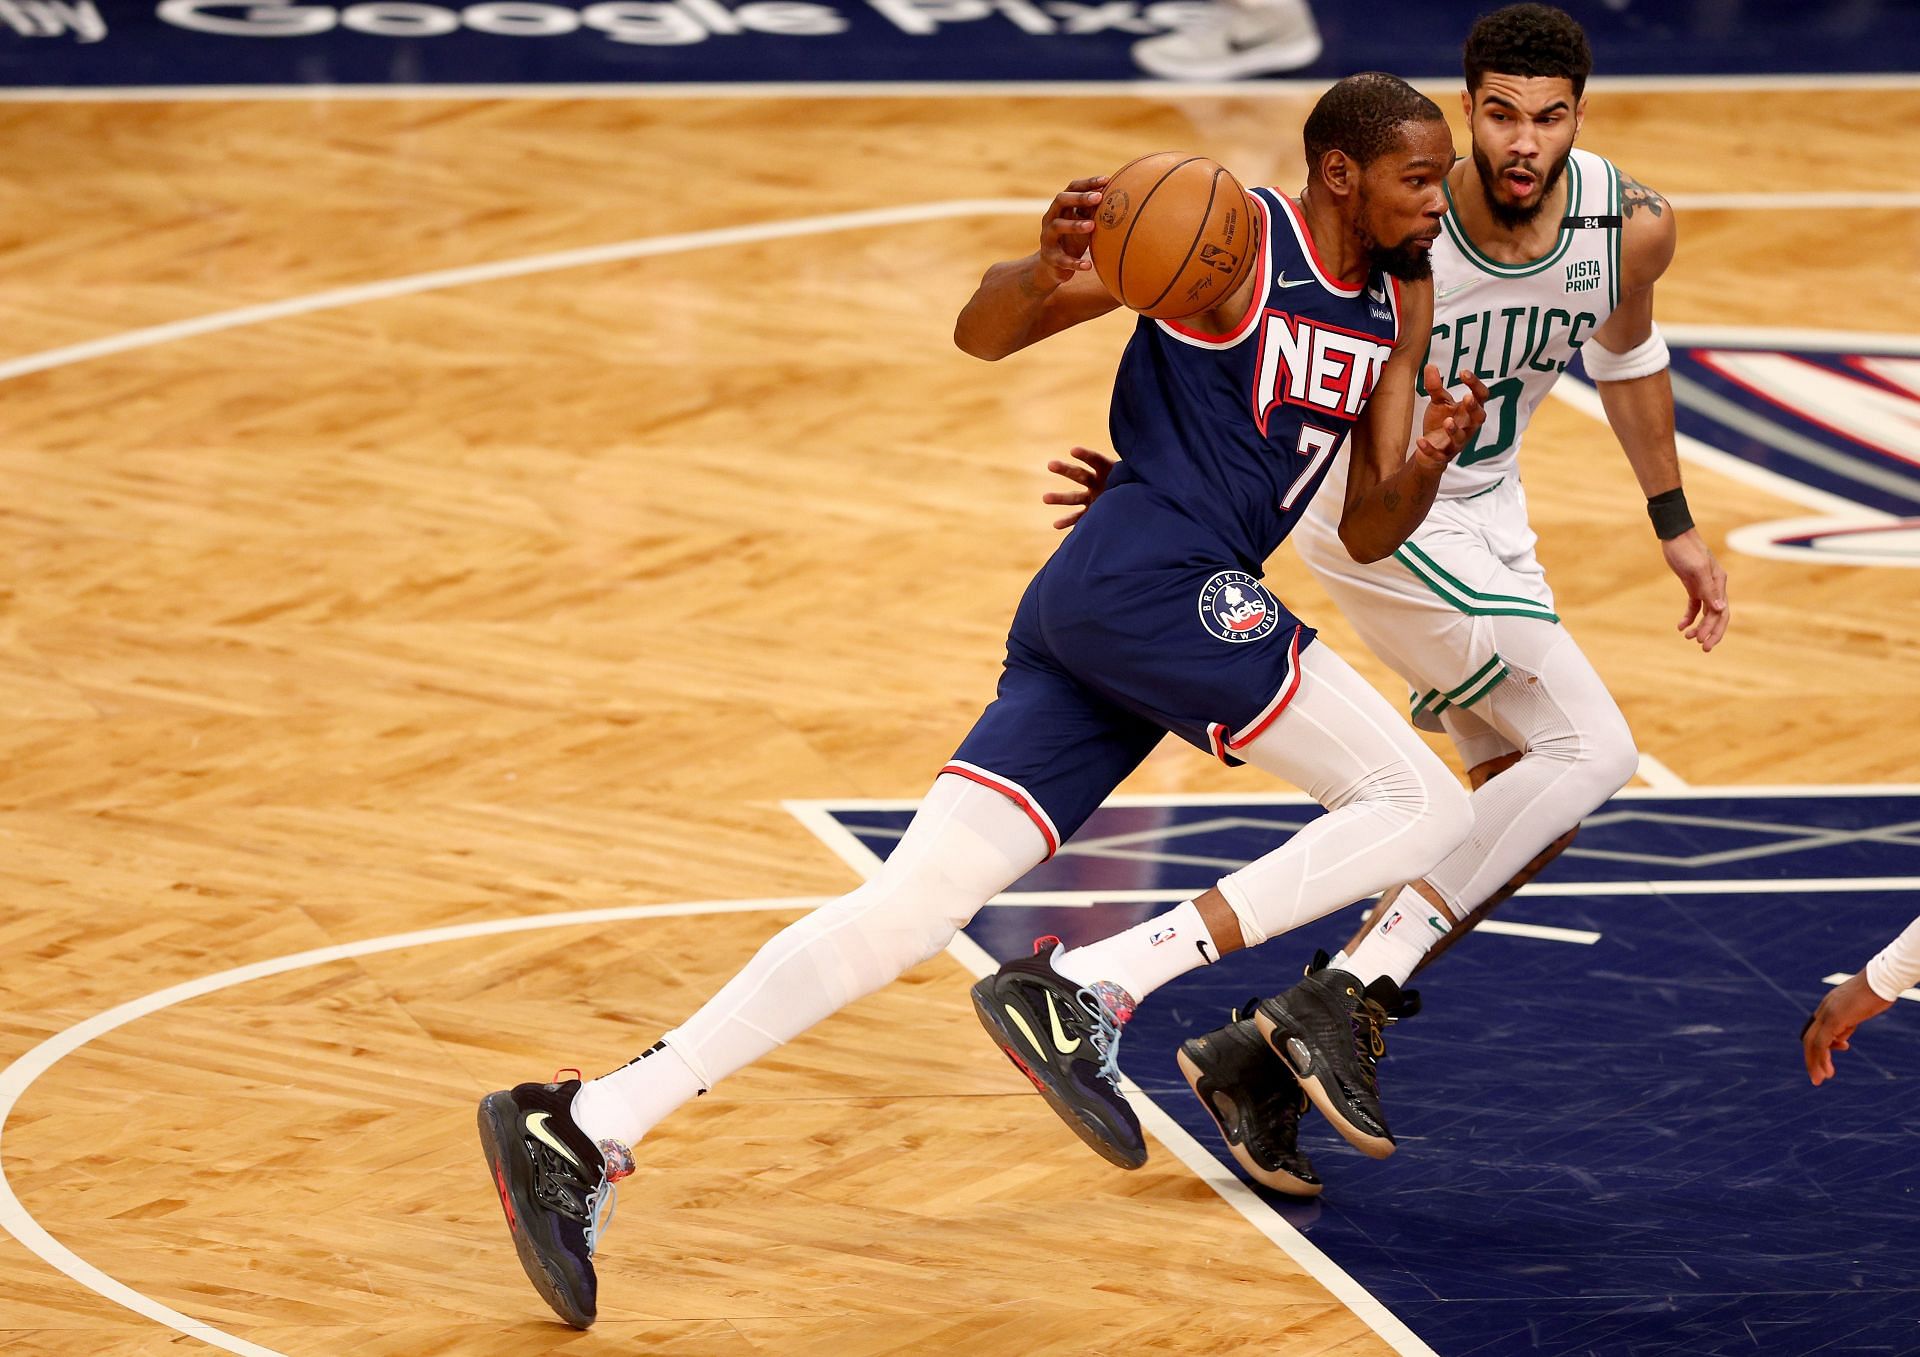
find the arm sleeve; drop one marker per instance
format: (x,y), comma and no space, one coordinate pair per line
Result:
(1898,965)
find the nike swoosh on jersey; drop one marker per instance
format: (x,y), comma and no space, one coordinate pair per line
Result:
(1452,291)
(1378,293)
(537,1127)
(1284,281)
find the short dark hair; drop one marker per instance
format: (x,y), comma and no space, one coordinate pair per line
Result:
(1361,115)
(1528,40)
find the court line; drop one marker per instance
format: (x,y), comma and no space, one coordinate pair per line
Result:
(1373,1312)
(331,299)
(1838,979)
(933,89)
(20,1074)
(1658,776)
(1155,800)
(586,257)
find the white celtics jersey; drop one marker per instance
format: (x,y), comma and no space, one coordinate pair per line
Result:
(1516,325)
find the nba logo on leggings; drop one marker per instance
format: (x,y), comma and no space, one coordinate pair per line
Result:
(1236,608)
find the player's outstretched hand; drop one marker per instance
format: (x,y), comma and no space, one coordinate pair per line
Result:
(1707,612)
(1090,477)
(1849,1004)
(1451,421)
(1067,228)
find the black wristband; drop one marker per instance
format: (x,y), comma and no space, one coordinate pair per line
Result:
(1668,510)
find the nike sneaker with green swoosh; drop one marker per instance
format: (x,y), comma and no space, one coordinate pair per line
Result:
(556,1188)
(1065,1037)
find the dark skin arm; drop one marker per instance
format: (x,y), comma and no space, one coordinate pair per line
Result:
(1389,490)
(1021,301)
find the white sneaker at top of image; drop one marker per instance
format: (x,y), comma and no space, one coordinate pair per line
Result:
(1238,38)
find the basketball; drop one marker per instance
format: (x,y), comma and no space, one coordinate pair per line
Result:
(1173,235)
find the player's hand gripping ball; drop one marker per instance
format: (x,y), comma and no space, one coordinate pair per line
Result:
(1173,235)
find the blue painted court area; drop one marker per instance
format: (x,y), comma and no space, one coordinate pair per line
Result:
(1607,1146)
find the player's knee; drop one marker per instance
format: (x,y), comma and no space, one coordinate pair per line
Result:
(892,923)
(1433,810)
(1615,760)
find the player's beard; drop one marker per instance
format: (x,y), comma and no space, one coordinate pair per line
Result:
(1507,214)
(1405,261)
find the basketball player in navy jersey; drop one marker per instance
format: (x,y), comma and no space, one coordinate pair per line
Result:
(1150,618)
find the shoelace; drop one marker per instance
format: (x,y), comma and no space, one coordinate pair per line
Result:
(1368,1044)
(597,1222)
(554,1178)
(1105,1035)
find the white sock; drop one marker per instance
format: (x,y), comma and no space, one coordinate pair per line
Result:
(1395,945)
(624,1105)
(1143,958)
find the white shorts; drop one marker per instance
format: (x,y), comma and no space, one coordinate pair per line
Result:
(1430,609)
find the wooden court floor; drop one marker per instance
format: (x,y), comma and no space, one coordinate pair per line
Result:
(539,594)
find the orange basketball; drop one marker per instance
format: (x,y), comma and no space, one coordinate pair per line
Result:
(1173,235)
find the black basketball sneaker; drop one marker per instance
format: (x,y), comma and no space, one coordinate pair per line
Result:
(1328,1030)
(1065,1037)
(1254,1100)
(553,1183)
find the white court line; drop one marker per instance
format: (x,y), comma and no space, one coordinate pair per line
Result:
(1153,800)
(1808,885)
(932,89)
(643,248)
(1658,776)
(1088,899)
(1839,979)
(963,949)
(1582,397)
(18,1076)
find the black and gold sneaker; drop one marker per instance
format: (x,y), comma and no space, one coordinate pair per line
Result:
(556,1188)
(1328,1030)
(1254,1100)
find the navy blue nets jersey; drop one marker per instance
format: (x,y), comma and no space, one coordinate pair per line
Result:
(1238,429)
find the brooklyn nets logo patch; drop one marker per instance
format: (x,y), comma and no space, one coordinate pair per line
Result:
(1236,607)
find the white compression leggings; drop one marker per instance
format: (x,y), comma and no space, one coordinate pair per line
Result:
(1575,752)
(1395,812)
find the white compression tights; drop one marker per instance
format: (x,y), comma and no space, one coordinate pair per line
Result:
(1393,803)
(1576,751)
(1395,812)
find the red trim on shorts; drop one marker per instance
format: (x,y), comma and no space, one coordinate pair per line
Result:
(1287,690)
(1014,793)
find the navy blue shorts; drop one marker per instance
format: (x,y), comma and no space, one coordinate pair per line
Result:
(1143,622)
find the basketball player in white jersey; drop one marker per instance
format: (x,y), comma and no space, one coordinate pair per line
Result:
(1546,250)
